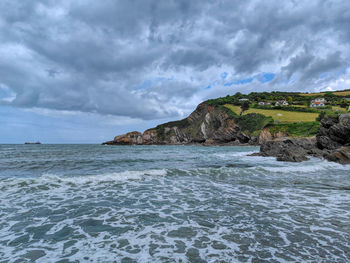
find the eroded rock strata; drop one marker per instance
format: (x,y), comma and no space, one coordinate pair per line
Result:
(207,125)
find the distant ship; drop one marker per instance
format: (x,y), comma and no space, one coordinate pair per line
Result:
(32,143)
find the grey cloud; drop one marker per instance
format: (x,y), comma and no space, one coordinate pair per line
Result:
(200,59)
(298,63)
(332,62)
(91,56)
(311,67)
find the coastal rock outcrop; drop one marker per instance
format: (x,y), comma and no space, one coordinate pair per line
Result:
(334,132)
(341,155)
(266,135)
(332,142)
(130,138)
(289,150)
(207,125)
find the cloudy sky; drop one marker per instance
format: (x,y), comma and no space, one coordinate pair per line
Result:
(85,71)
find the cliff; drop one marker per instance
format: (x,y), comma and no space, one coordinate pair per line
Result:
(207,125)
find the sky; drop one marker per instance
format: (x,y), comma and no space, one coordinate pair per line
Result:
(84,71)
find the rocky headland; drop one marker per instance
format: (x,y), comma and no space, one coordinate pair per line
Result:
(207,125)
(213,125)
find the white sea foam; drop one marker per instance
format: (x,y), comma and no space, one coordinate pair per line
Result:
(233,155)
(118,177)
(259,210)
(314,165)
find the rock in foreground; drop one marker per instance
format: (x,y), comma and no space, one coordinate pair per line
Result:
(341,155)
(332,143)
(289,150)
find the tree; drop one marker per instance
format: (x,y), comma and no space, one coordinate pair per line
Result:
(238,95)
(244,107)
(321,116)
(290,100)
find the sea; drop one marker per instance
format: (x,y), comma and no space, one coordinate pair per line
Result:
(94,203)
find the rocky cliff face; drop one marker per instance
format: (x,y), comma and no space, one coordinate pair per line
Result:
(266,135)
(332,143)
(334,132)
(207,125)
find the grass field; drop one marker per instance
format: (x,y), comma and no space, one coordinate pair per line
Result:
(338,93)
(311,94)
(279,115)
(299,106)
(335,108)
(342,93)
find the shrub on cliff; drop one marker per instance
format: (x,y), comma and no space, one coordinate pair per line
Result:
(321,116)
(253,122)
(302,129)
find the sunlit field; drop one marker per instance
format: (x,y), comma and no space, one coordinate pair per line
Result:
(279,115)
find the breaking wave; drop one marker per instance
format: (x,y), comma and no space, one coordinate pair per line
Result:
(185,204)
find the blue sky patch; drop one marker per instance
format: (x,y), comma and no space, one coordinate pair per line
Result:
(239,82)
(224,75)
(266,77)
(262,78)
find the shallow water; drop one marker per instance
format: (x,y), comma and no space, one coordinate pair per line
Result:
(92,203)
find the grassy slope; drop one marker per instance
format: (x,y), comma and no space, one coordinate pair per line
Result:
(342,93)
(280,115)
(303,129)
(338,93)
(335,108)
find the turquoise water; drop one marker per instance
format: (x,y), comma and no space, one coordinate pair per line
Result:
(92,203)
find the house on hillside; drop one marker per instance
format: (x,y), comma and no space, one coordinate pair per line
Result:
(281,103)
(242,100)
(319,102)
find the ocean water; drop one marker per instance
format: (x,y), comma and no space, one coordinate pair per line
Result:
(93,203)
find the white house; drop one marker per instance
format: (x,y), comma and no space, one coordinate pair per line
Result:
(319,102)
(281,103)
(319,99)
(243,99)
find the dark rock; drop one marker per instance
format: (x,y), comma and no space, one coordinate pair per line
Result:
(288,155)
(108,143)
(328,122)
(332,143)
(325,142)
(288,150)
(334,132)
(341,155)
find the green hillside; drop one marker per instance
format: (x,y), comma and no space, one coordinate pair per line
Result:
(295,118)
(278,115)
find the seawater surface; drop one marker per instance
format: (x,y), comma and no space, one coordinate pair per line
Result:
(93,203)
